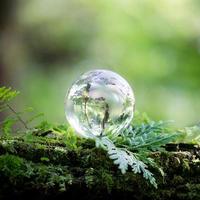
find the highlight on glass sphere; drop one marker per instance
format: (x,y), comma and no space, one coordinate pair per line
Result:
(100,102)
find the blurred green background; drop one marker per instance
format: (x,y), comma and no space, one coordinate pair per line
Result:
(155,45)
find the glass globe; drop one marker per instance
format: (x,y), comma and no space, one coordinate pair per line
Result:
(99,102)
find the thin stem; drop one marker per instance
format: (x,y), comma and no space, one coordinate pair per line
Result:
(18,117)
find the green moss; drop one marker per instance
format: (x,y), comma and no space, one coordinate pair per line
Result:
(177,180)
(186,165)
(51,168)
(11,166)
(99,179)
(18,172)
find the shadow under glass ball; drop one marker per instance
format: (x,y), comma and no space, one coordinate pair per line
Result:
(100,101)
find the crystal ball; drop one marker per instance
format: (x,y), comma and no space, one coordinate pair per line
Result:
(98,103)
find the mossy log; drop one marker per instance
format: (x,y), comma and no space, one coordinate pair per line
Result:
(46,170)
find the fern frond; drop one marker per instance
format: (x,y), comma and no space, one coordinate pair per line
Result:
(6,95)
(125,159)
(150,136)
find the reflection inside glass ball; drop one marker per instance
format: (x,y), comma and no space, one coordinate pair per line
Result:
(100,101)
